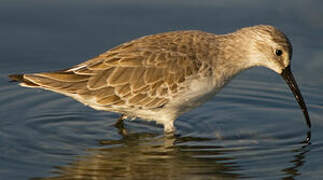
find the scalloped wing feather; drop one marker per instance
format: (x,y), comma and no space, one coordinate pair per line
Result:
(145,73)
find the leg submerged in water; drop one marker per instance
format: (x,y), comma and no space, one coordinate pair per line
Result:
(169,127)
(120,125)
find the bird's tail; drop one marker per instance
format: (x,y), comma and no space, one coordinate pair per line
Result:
(64,82)
(22,80)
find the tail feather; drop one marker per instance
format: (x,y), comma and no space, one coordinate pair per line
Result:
(61,82)
(16,77)
(20,78)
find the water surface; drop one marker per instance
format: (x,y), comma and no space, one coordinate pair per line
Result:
(252,129)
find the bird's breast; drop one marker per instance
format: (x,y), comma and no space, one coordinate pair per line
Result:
(198,92)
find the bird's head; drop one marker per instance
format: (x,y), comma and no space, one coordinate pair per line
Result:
(271,48)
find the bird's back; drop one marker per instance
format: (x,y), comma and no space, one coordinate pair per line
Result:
(141,75)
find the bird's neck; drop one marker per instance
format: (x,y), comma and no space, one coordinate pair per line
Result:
(231,55)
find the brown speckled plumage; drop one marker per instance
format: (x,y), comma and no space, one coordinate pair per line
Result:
(157,77)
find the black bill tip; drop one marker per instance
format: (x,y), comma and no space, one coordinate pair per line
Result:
(290,80)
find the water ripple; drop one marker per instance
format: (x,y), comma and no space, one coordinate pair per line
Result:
(250,129)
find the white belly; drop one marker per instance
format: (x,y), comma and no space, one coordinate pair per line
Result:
(199,92)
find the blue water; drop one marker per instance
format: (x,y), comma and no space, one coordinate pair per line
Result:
(252,129)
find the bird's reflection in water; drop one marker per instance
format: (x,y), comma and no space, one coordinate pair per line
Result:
(297,161)
(150,156)
(155,156)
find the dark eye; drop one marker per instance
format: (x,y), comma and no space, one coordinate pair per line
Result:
(279,52)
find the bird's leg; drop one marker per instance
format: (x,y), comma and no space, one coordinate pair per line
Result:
(169,127)
(170,130)
(120,125)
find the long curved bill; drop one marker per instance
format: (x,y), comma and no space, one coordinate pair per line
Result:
(290,80)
